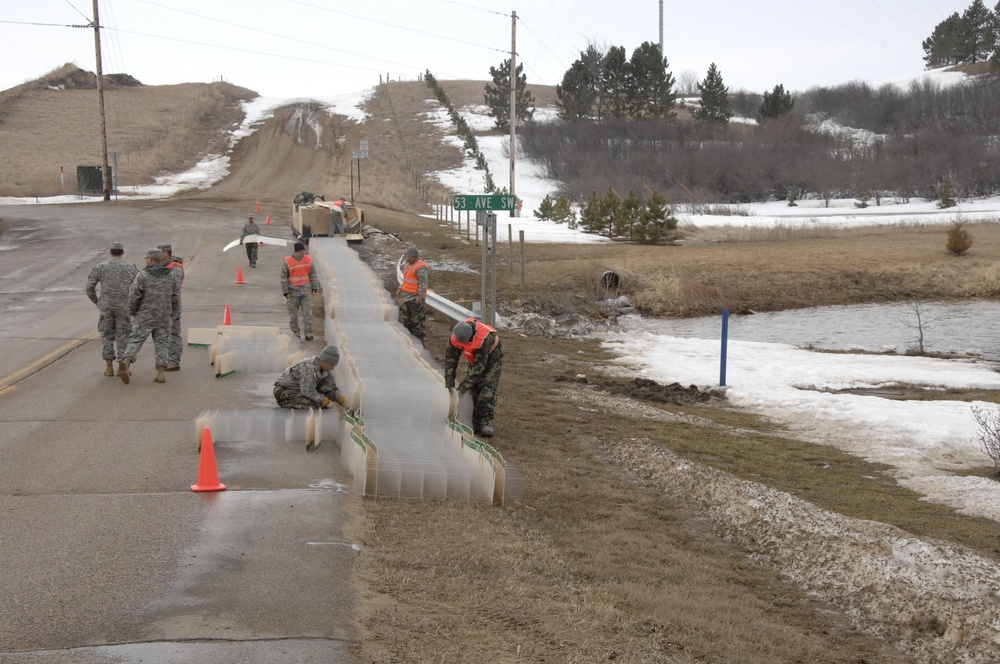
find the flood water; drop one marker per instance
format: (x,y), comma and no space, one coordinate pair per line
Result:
(965,327)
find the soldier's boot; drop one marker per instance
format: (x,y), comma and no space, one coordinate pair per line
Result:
(173,367)
(109,367)
(486,431)
(123,370)
(160,376)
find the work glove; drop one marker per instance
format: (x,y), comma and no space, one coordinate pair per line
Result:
(325,403)
(315,291)
(288,295)
(342,400)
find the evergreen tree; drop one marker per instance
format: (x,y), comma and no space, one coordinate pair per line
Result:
(613,88)
(498,96)
(627,215)
(656,221)
(944,46)
(714,98)
(776,103)
(650,85)
(609,206)
(562,211)
(591,214)
(978,33)
(545,208)
(576,95)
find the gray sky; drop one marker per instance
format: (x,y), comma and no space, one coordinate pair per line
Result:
(309,47)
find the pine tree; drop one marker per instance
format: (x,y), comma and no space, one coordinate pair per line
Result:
(609,212)
(943,47)
(613,87)
(576,95)
(498,96)
(562,212)
(591,219)
(650,85)
(776,103)
(714,98)
(545,208)
(627,215)
(978,37)
(657,222)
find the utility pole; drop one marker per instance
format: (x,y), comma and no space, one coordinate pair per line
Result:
(106,171)
(661,28)
(513,98)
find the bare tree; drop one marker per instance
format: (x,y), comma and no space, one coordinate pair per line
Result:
(989,433)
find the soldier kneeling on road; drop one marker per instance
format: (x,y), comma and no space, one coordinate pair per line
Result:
(309,383)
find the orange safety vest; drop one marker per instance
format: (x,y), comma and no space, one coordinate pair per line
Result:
(298,272)
(340,202)
(470,347)
(411,284)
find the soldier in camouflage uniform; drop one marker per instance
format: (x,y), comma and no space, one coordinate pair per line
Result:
(413,290)
(309,383)
(153,298)
(299,283)
(115,276)
(480,345)
(176,267)
(250,228)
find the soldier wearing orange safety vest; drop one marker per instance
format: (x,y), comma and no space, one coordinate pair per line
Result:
(413,292)
(480,345)
(338,216)
(299,283)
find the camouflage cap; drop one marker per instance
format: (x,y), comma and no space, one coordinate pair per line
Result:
(156,253)
(165,247)
(117,246)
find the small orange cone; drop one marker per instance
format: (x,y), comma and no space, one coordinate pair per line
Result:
(208,473)
(268,219)
(258,207)
(226,320)
(239,275)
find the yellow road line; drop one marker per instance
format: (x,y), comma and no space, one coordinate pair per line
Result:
(7,383)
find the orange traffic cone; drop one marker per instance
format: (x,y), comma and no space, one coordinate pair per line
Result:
(258,206)
(239,275)
(208,473)
(268,219)
(226,320)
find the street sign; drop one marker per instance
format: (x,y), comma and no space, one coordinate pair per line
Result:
(358,154)
(364,147)
(485,202)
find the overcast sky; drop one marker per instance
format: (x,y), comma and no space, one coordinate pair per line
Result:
(303,47)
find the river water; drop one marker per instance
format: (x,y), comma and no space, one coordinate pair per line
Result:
(964,327)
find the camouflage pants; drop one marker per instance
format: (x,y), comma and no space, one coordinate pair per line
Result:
(176,342)
(161,342)
(290,397)
(411,315)
(303,304)
(251,252)
(115,328)
(484,390)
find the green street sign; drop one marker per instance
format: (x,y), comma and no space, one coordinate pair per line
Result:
(485,202)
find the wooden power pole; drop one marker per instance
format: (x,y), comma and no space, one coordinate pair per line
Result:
(513,99)
(105,169)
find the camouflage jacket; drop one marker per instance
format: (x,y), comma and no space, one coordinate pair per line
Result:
(250,228)
(115,276)
(303,376)
(154,297)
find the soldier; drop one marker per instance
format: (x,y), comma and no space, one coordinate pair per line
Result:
(338,217)
(250,228)
(153,298)
(176,267)
(414,292)
(299,283)
(115,276)
(480,345)
(309,383)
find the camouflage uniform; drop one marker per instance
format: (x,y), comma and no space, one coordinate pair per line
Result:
(411,309)
(153,299)
(482,380)
(115,276)
(176,346)
(250,228)
(299,300)
(304,384)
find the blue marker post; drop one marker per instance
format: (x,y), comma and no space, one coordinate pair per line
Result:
(725,343)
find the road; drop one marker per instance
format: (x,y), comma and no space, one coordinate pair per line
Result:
(107,555)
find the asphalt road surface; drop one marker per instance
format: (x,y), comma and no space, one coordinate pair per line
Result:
(106,554)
